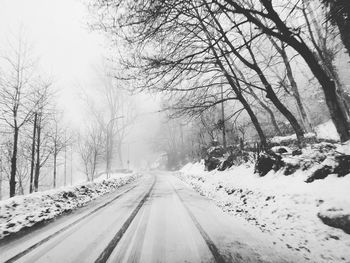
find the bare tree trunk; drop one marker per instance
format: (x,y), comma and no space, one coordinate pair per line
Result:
(65,162)
(329,88)
(268,110)
(326,57)
(94,165)
(254,121)
(294,86)
(20,187)
(223,119)
(37,166)
(54,168)
(1,178)
(339,13)
(262,104)
(32,157)
(14,163)
(344,29)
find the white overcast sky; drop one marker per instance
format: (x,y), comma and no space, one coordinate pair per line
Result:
(58,32)
(69,52)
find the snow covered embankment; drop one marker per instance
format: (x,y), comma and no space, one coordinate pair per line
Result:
(27,210)
(285,206)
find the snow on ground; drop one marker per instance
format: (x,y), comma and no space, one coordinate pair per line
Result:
(344,148)
(284,206)
(293,137)
(327,131)
(24,211)
(324,131)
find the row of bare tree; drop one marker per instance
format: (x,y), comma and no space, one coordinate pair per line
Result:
(266,55)
(32,134)
(110,114)
(34,137)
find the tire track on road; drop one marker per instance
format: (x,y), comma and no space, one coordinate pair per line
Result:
(103,257)
(44,240)
(212,247)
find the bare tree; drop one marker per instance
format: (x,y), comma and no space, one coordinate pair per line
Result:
(44,115)
(59,142)
(281,49)
(113,110)
(15,104)
(91,150)
(326,45)
(268,18)
(202,47)
(183,41)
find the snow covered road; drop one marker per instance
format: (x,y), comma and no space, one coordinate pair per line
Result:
(156,219)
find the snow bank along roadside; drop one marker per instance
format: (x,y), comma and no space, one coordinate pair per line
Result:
(27,210)
(285,206)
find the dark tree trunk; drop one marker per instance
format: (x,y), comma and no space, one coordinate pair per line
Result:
(326,58)
(344,29)
(20,187)
(254,120)
(32,157)
(339,13)
(94,165)
(268,110)
(54,168)
(262,104)
(294,86)
(329,88)
(14,163)
(270,94)
(286,113)
(37,166)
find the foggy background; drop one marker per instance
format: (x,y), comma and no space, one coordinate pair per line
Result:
(87,109)
(75,60)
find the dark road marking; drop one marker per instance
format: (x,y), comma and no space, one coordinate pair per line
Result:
(103,257)
(23,253)
(213,249)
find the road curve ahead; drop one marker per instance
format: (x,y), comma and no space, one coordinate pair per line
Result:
(156,219)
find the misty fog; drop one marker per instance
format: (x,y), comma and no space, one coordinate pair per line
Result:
(174,131)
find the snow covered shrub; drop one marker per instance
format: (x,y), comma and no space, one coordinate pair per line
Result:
(25,211)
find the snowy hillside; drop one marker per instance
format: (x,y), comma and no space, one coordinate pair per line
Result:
(284,206)
(303,199)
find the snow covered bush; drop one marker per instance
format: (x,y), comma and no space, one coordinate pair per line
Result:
(25,211)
